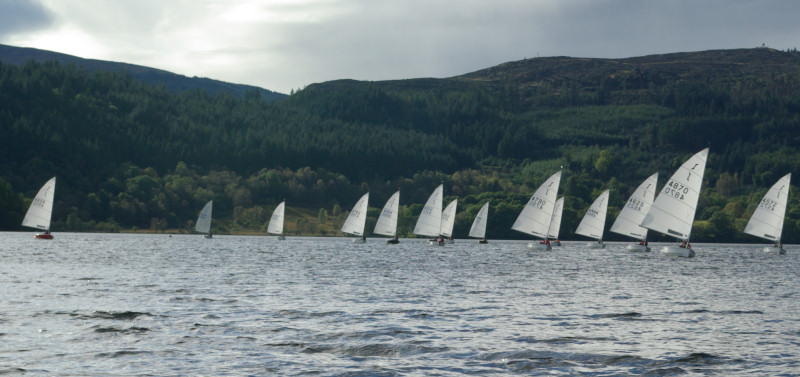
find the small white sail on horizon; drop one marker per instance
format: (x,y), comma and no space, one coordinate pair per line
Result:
(631,216)
(387,221)
(594,221)
(768,218)
(203,224)
(357,219)
(673,211)
(537,215)
(41,209)
(478,229)
(448,219)
(276,220)
(430,219)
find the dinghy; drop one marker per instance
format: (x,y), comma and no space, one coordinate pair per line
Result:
(627,223)
(387,221)
(478,229)
(41,210)
(537,215)
(357,220)
(276,221)
(594,221)
(767,219)
(673,211)
(203,224)
(429,223)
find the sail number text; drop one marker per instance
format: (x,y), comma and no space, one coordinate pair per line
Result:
(768,204)
(676,190)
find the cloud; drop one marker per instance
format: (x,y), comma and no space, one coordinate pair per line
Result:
(22,16)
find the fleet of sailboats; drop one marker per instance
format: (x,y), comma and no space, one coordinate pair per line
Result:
(631,216)
(356,221)
(767,220)
(537,215)
(41,210)
(387,221)
(276,221)
(594,221)
(203,224)
(478,228)
(672,213)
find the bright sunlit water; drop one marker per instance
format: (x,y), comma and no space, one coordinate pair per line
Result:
(118,304)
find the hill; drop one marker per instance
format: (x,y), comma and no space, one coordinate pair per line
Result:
(173,82)
(133,154)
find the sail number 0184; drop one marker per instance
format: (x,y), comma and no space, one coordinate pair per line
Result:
(676,190)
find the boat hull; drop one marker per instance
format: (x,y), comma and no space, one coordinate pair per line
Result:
(359,240)
(43,236)
(208,236)
(638,248)
(281,237)
(677,251)
(539,246)
(393,241)
(483,241)
(596,245)
(774,250)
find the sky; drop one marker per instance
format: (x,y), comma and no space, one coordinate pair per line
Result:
(285,45)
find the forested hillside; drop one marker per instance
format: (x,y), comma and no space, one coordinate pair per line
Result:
(129,154)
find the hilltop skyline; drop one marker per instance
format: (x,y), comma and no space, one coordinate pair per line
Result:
(286,45)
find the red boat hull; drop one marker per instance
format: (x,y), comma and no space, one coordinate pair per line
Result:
(44,236)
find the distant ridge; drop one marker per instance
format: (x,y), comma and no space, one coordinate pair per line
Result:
(172,81)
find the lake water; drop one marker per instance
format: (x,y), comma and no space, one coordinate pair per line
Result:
(121,304)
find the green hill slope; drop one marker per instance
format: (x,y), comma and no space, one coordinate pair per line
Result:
(133,154)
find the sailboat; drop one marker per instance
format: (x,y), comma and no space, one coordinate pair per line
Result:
(673,211)
(537,215)
(276,221)
(767,219)
(555,222)
(357,220)
(429,223)
(387,221)
(594,221)
(449,220)
(41,210)
(627,223)
(478,229)
(204,220)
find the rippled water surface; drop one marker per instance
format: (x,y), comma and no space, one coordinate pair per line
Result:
(115,304)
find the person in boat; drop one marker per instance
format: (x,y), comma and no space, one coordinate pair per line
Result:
(685,244)
(545,242)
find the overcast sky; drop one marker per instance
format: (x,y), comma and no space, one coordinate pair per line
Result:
(288,44)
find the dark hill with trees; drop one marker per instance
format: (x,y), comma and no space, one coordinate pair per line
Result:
(130,154)
(173,82)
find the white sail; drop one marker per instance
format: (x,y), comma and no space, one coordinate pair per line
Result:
(41,209)
(478,229)
(635,209)
(594,221)
(430,219)
(387,221)
(673,211)
(204,219)
(449,219)
(555,221)
(276,221)
(357,219)
(535,218)
(767,220)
